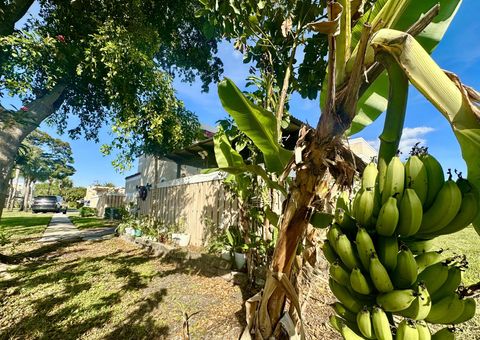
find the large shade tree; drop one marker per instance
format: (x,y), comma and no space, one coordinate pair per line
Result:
(101,62)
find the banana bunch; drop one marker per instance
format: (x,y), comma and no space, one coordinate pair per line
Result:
(385,272)
(411,200)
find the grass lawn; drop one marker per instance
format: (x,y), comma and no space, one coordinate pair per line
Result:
(19,224)
(109,289)
(466,242)
(92,222)
(22,230)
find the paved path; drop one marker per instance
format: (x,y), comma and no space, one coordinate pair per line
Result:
(61,228)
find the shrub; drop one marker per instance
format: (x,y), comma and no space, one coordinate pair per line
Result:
(88,212)
(115,213)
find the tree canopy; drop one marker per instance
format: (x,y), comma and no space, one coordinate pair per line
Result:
(111,62)
(46,159)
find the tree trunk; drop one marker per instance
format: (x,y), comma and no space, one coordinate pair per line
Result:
(16,126)
(11,201)
(26,194)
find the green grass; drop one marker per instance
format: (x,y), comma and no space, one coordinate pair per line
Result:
(19,224)
(465,242)
(92,222)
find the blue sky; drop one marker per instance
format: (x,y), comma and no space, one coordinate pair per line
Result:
(458,52)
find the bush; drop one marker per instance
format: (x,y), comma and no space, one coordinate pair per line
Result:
(88,212)
(115,213)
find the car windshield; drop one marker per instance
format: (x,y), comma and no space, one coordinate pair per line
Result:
(46,198)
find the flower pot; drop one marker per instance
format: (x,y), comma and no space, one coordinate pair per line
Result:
(240,260)
(181,240)
(226,255)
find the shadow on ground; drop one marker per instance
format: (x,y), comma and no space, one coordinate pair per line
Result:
(112,290)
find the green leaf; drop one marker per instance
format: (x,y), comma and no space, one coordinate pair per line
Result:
(321,219)
(225,155)
(374,100)
(257,123)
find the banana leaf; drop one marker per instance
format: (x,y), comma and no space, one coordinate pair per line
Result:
(257,123)
(457,103)
(374,100)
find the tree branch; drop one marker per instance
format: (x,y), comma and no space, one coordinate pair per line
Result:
(13,13)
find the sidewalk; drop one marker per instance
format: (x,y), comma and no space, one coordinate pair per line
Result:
(62,229)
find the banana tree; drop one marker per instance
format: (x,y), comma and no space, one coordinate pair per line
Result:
(372,58)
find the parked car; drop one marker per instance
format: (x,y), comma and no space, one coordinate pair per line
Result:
(49,203)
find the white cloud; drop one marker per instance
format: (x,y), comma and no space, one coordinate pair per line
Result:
(410,136)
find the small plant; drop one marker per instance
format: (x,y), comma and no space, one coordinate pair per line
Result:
(4,238)
(88,212)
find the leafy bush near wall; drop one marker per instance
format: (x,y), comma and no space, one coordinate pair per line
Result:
(88,212)
(116,213)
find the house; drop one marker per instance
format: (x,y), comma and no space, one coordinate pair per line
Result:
(101,197)
(175,191)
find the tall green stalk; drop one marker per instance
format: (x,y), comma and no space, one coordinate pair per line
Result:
(395,117)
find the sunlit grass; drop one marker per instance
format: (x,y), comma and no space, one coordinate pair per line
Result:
(92,222)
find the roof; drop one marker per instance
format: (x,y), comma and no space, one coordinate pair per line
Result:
(202,155)
(132,176)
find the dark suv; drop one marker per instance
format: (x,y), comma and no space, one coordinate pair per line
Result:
(48,203)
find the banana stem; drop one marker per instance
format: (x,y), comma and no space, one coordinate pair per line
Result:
(395,117)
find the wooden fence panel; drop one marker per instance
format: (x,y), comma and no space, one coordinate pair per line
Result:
(194,205)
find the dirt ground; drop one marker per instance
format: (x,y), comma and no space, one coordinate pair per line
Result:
(112,289)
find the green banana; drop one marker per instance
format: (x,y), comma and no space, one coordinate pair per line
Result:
(405,274)
(344,296)
(345,221)
(394,180)
(379,275)
(340,324)
(343,312)
(423,331)
(410,212)
(427,259)
(407,330)
(332,234)
(419,246)
(467,213)
(343,201)
(387,249)
(369,176)
(359,282)
(470,307)
(396,300)
(444,209)
(348,333)
(446,333)
(329,252)
(335,322)
(416,176)
(364,206)
(435,177)
(364,323)
(446,310)
(346,252)
(434,276)
(339,274)
(421,306)
(450,285)
(365,247)
(380,324)
(387,218)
